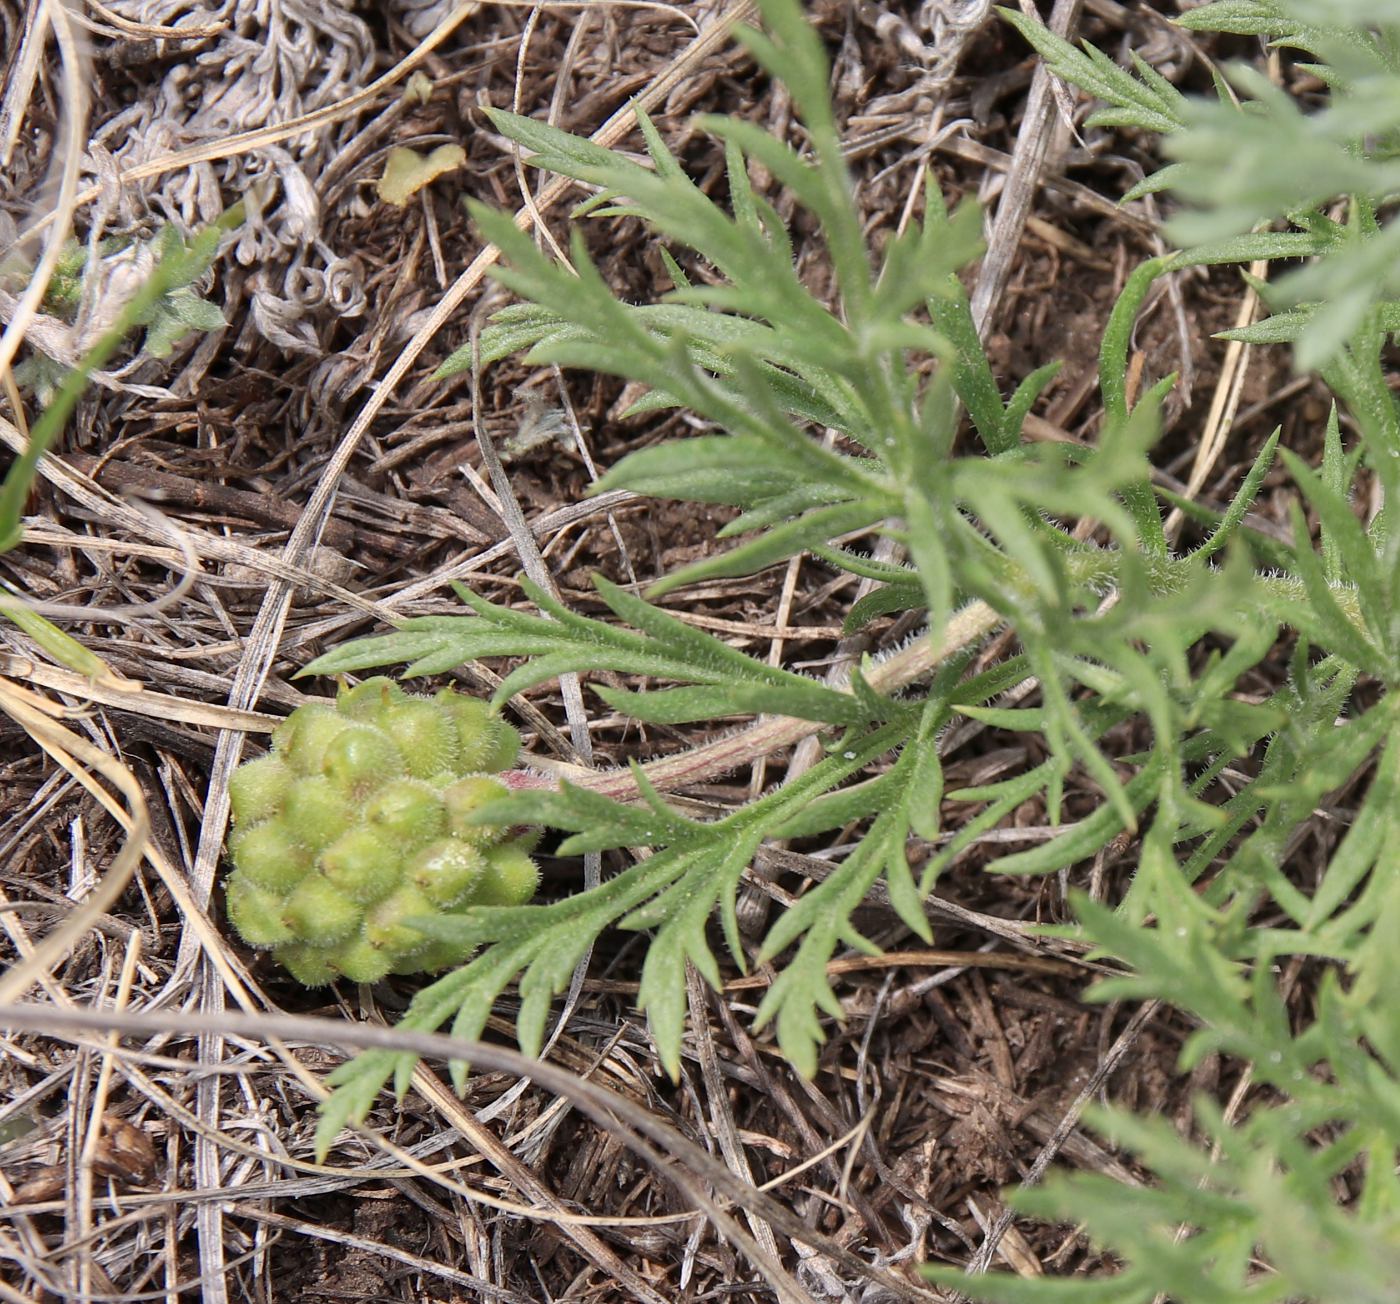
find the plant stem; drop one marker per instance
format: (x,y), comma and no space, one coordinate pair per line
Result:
(772,733)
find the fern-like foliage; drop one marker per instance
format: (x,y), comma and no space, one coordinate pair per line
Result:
(724,681)
(1228,150)
(1260,1190)
(835,415)
(744,344)
(1297,1198)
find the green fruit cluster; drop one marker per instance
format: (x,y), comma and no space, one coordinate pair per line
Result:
(359,819)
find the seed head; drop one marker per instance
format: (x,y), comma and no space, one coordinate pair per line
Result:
(359,820)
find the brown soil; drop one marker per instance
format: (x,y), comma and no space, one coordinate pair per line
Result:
(947,1078)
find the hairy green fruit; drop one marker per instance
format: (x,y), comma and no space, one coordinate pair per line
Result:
(360,758)
(315,811)
(463,799)
(256,790)
(486,741)
(447,870)
(362,865)
(268,855)
(309,965)
(407,813)
(511,877)
(425,735)
(359,820)
(362,962)
(256,913)
(303,737)
(386,926)
(320,912)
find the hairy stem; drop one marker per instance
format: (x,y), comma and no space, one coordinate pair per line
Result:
(772,733)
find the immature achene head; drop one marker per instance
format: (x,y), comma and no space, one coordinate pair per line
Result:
(360,818)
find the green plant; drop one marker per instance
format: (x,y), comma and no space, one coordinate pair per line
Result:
(363,818)
(1297,1200)
(169,266)
(115,276)
(1328,205)
(1123,630)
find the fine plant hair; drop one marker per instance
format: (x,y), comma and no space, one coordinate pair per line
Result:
(877,413)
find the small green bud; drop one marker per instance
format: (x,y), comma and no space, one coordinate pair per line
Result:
(362,865)
(316,811)
(467,796)
(256,913)
(470,718)
(424,734)
(485,741)
(384,926)
(270,856)
(505,746)
(360,962)
(256,788)
(406,812)
(511,877)
(361,758)
(366,700)
(309,965)
(447,870)
(434,956)
(319,912)
(302,738)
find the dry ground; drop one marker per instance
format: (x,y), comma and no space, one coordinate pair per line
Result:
(185,1170)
